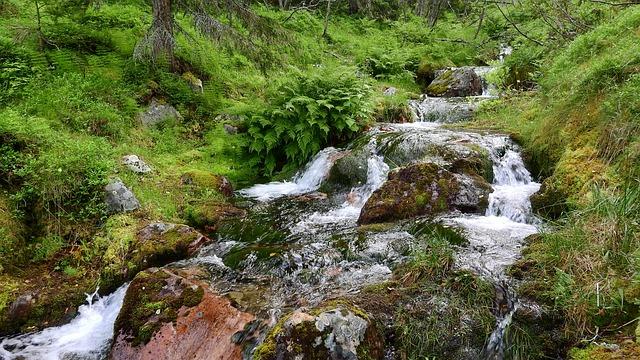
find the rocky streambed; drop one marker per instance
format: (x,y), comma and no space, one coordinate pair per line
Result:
(395,247)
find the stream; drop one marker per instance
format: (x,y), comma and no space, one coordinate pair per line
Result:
(299,246)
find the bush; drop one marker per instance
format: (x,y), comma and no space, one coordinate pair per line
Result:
(314,109)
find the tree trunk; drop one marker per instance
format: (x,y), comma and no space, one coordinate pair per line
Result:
(326,19)
(163,39)
(354,7)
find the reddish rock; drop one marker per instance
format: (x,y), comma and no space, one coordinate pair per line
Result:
(172,315)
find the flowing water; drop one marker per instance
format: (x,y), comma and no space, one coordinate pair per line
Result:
(298,247)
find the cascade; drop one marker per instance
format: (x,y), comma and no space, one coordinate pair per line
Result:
(315,257)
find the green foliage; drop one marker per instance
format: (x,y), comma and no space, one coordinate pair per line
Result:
(89,104)
(16,69)
(324,106)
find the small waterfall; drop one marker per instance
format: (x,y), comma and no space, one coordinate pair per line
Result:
(86,337)
(512,185)
(453,109)
(306,181)
(349,210)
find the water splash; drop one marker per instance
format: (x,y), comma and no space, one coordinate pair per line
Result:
(306,181)
(85,337)
(349,210)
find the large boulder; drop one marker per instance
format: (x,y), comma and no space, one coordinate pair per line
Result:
(154,244)
(425,189)
(456,82)
(119,198)
(169,314)
(338,333)
(158,113)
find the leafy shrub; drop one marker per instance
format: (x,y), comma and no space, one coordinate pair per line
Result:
(323,106)
(16,71)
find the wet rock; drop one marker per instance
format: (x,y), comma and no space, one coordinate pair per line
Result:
(425,189)
(158,113)
(314,196)
(456,82)
(206,180)
(211,215)
(135,164)
(119,198)
(336,333)
(21,307)
(390,91)
(170,314)
(349,170)
(458,153)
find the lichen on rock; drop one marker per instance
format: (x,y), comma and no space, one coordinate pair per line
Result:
(340,332)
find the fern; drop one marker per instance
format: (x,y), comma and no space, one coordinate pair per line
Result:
(315,109)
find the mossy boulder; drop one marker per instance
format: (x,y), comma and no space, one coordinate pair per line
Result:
(456,152)
(427,70)
(210,216)
(425,189)
(153,244)
(340,332)
(171,314)
(205,180)
(549,202)
(456,82)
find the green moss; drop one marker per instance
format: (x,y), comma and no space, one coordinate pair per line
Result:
(147,306)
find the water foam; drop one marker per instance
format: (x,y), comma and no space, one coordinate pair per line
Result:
(86,337)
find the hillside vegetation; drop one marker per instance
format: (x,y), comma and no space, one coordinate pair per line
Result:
(71,91)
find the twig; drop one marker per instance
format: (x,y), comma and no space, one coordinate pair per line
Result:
(517,28)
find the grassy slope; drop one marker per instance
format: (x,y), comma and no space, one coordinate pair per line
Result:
(581,132)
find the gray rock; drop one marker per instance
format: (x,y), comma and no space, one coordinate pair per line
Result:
(158,113)
(119,198)
(390,91)
(230,129)
(471,196)
(456,82)
(21,307)
(336,333)
(135,164)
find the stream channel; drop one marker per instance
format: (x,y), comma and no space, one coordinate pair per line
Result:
(285,251)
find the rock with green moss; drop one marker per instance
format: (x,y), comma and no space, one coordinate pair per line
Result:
(154,244)
(340,332)
(204,180)
(425,189)
(549,201)
(350,170)
(456,82)
(171,314)
(457,152)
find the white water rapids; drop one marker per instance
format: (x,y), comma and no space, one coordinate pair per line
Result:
(85,337)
